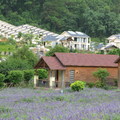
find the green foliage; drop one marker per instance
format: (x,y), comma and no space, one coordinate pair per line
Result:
(16,76)
(2,78)
(25,54)
(90,84)
(14,64)
(4,47)
(59,98)
(26,100)
(28,75)
(81,51)
(99,84)
(77,85)
(57,48)
(101,74)
(26,38)
(42,73)
(102,17)
(114,52)
(11,41)
(116,82)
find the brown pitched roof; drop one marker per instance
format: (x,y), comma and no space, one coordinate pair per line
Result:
(53,63)
(95,60)
(117,60)
(61,60)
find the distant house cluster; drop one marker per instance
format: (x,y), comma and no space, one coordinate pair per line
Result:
(70,39)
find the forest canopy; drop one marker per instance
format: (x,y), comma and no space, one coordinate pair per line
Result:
(97,18)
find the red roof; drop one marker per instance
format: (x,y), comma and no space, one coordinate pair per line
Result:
(95,60)
(61,60)
(53,63)
(117,60)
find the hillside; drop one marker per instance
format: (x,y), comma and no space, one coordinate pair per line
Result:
(97,18)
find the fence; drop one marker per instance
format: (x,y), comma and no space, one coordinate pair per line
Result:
(55,84)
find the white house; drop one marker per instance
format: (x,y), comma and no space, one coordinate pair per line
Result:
(80,41)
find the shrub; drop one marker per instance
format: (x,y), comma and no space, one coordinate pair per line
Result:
(116,82)
(2,78)
(101,74)
(28,74)
(77,86)
(42,73)
(90,85)
(99,84)
(15,76)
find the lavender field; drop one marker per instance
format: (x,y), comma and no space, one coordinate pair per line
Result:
(32,104)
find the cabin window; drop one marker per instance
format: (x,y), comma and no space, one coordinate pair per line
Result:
(72,76)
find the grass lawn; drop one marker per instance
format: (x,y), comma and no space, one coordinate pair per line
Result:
(40,104)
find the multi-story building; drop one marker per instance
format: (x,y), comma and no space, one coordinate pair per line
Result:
(80,41)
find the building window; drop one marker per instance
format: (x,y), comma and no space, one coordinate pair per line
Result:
(83,46)
(84,40)
(79,40)
(56,43)
(75,45)
(75,39)
(72,75)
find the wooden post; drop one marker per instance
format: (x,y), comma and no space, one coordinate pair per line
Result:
(63,82)
(52,79)
(35,81)
(119,75)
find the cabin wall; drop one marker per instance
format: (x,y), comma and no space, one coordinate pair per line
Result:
(86,74)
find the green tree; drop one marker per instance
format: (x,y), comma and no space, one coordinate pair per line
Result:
(57,48)
(25,54)
(97,18)
(114,52)
(14,64)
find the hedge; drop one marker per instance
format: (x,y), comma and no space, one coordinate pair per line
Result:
(28,75)
(2,78)
(16,76)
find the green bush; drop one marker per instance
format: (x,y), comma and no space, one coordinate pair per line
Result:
(116,82)
(90,85)
(28,75)
(42,73)
(77,86)
(99,84)
(2,78)
(101,74)
(16,76)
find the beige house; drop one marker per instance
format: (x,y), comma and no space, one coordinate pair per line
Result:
(113,42)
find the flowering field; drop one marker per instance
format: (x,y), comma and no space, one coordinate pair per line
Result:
(31,104)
